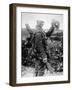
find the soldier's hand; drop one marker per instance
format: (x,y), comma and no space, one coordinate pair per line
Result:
(45,60)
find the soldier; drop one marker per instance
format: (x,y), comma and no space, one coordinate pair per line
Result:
(40,46)
(39,37)
(40,43)
(56,37)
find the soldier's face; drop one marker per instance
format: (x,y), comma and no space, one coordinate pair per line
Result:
(41,24)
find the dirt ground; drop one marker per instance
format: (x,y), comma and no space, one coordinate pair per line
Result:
(30,72)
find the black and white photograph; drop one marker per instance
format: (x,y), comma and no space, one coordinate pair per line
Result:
(41,44)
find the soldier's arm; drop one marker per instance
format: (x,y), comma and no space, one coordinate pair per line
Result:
(28,29)
(50,32)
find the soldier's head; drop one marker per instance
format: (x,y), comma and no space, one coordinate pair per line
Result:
(55,24)
(40,24)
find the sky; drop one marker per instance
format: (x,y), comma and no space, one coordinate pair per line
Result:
(31,18)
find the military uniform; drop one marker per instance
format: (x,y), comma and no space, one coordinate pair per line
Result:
(40,45)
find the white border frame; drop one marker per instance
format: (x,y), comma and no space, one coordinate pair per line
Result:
(63,77)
